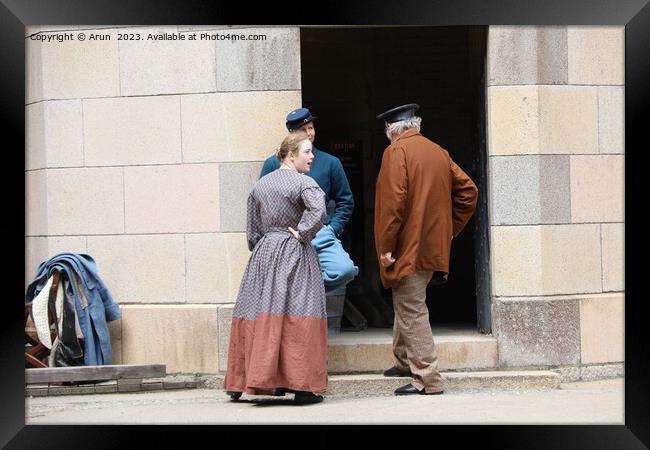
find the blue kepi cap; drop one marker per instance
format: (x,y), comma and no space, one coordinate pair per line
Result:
(299,117)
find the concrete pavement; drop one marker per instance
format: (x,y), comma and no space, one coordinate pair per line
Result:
(586,402)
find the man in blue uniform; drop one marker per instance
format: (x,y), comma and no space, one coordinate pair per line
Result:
(336,266)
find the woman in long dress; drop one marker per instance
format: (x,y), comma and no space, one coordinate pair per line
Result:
(278,337)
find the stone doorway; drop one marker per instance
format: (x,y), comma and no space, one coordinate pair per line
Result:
(349,75)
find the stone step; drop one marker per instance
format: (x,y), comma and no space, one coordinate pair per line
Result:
(368,385)
(374,384)
(371,350)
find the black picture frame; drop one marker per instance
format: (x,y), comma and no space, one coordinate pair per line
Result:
(633,14)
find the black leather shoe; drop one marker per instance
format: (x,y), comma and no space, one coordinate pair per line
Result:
(395,372)
(410,389)
(305,398)
(234,396)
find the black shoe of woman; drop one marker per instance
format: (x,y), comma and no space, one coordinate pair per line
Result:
(234,396)
(305,398)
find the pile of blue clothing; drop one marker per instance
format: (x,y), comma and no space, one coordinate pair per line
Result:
(87,308)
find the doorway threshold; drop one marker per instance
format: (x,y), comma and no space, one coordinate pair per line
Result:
(386,334)
(459,347)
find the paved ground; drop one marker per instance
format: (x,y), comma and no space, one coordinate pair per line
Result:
(593,402)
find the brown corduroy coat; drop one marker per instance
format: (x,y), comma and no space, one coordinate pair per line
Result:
(422,200)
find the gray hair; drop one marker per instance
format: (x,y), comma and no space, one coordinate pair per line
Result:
(397,128)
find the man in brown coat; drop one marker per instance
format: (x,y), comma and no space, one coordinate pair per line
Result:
(422,201)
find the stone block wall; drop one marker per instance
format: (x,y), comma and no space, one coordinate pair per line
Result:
(556,170)
(141,154)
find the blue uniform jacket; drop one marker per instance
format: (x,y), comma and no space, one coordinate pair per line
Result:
(93,317)
(328,172)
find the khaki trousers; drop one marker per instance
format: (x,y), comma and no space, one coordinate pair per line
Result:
(413,347)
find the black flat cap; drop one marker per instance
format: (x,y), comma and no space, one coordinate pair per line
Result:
(400,113)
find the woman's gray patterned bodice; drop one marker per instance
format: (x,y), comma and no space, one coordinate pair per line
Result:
(285,198)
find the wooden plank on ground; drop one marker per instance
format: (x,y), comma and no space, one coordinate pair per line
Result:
(90,373)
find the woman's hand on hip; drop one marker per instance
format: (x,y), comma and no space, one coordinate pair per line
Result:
(295,233)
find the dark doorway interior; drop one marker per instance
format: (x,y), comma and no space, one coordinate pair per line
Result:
(349,75)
